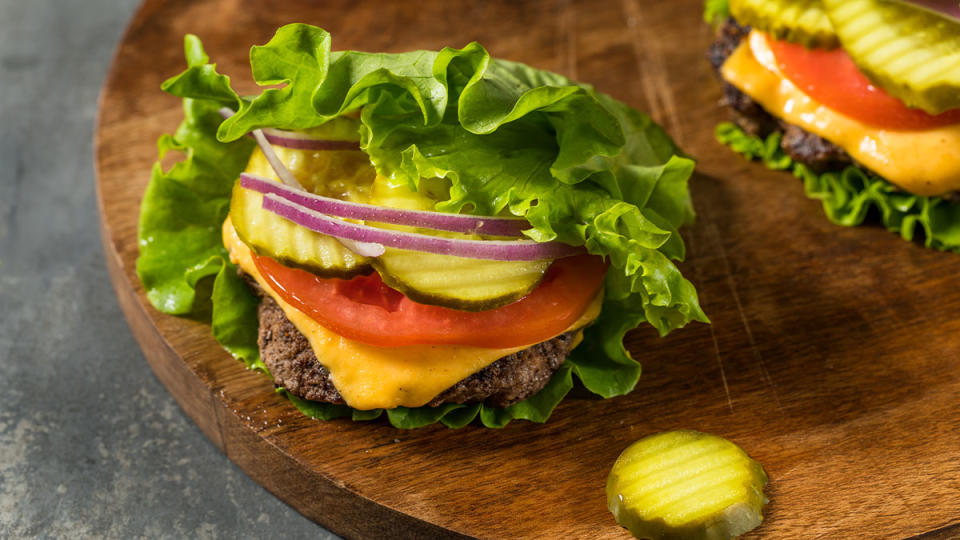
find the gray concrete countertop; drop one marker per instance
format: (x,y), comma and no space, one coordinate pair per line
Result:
(91,445)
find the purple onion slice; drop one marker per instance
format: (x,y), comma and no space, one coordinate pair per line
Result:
(299,141)
(282,171)
(496,250)
(488,225)
(295,140)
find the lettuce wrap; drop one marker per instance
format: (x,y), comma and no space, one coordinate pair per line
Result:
(581,167)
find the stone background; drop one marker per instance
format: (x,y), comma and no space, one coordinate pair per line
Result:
(91,445)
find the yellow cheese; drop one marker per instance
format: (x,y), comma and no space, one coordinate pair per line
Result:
(921,162)
(371,377)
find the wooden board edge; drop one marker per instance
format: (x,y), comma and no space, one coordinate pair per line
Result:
(319,498)
(329,503)
(947,532)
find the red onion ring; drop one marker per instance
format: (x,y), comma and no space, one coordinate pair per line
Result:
(290,201)
(282,171)
(496,250)
(464,223)
(294,140)
(298,141)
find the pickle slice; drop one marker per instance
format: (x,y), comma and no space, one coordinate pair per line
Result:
(912,53)
(341,174)
(797,21)
(458,282)
(291,245)
(445,280)
(334,173)
(686,485)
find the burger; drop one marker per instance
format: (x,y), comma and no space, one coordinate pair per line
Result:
(859,99)
(439,236)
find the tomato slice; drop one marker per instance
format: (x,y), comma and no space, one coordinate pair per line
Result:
(365,309)
(832,78)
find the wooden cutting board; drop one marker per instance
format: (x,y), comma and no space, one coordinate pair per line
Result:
(833,357)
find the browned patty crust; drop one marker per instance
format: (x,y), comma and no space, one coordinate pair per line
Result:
(513,378)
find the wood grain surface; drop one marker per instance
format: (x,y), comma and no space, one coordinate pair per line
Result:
(832,357)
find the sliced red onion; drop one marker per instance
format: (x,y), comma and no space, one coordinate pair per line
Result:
(295,140)
(299,141)
(493,226)
(282,171)
(497,250)
(364,249)
(355,238)
(948,8)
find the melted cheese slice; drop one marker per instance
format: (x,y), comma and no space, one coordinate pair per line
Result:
(921,162)
(370,377)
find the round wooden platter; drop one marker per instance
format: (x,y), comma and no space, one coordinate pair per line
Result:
(832,357)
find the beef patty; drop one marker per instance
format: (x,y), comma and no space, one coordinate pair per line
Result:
(802,146)
(294,366)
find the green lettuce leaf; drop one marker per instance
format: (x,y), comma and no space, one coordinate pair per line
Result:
(536,408)
(183,265)
(716,11)
(581,167)
(848,195)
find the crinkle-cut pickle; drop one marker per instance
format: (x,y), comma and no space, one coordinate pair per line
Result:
(344,174)
(686,485)
(912,53)
(796,21)
(445,280)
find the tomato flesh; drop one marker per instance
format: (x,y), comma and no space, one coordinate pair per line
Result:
(832,78)
(364,309)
